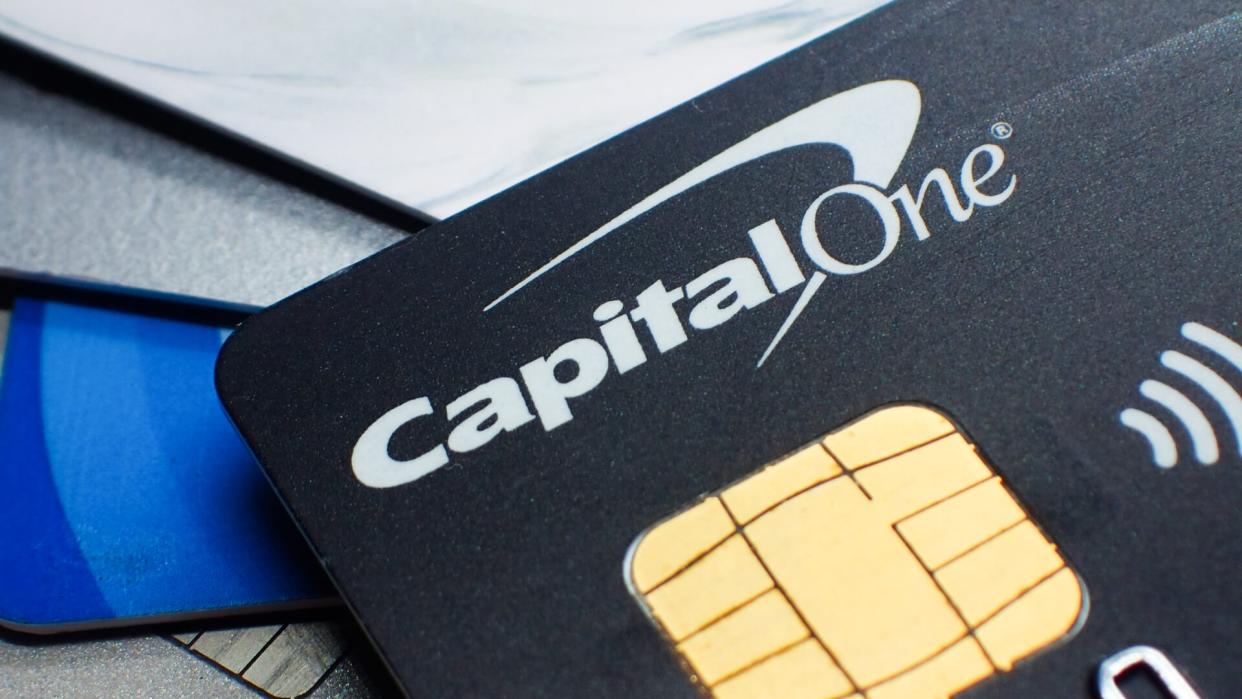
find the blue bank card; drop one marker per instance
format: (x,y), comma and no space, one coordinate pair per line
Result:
(125,495)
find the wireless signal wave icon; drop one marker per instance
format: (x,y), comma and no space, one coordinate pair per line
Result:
(1174,402)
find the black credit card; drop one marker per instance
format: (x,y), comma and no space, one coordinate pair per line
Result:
(906,365)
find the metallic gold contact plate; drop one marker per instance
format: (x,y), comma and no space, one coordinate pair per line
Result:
(885,561)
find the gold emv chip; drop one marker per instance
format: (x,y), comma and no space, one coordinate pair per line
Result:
(887,561)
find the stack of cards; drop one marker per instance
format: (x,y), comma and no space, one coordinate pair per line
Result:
(126,498)
(907,365)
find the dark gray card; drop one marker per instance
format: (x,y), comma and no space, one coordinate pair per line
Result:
(1024,215)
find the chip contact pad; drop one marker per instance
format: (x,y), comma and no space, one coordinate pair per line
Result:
(886,560)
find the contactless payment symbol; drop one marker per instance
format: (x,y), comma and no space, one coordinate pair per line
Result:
(885,561)
(1209,346)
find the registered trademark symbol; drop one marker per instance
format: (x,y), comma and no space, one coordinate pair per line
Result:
(1002,130)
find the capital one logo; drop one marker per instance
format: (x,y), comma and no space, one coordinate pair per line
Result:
(873,123)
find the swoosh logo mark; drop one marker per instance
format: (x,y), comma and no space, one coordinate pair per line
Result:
(874,123)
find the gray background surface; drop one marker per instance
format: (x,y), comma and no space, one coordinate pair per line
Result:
(148,666)
(100,187)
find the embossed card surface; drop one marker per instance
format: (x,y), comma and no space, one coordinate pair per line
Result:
(1017,220)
